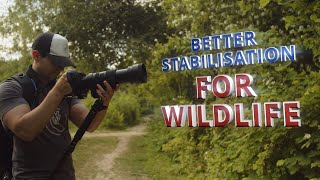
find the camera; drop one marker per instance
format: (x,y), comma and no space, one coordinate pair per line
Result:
(81,84)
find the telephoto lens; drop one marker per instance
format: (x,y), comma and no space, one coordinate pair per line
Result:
(81,83)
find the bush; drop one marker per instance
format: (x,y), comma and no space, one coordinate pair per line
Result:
(124,110)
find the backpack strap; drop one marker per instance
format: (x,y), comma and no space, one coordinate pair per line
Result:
(29,88)
(29,93)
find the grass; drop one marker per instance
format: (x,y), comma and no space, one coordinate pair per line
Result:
(88,152)
(131,163)
(142,162)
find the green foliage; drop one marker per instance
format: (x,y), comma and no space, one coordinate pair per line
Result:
(124,110)
(9,68)
(250,153)
(102,34)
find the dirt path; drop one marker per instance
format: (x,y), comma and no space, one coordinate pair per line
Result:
(107,161)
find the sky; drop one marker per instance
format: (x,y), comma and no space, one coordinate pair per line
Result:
(5,41)
(4,4)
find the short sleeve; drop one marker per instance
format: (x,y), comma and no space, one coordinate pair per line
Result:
(10,96)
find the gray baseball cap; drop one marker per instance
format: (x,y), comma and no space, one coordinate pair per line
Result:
(55,47)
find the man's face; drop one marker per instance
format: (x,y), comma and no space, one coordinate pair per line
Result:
(49,70)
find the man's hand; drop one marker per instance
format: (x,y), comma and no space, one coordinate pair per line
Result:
(79,111)
(62,86)
(106,94)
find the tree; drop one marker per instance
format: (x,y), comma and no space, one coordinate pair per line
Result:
(102,34)
(230,152)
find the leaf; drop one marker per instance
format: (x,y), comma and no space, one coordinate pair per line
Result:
(316,164)
(306,145)
(280,162)
(315,18)
(263,3)
(289,20)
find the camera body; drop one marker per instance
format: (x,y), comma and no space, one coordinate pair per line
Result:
(81,84)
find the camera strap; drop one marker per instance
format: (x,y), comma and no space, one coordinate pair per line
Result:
(95,108)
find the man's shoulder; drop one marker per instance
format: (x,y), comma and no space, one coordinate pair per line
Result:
(9,82)
(11,95)
(9,86)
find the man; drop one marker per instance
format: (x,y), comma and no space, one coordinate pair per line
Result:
(41,132)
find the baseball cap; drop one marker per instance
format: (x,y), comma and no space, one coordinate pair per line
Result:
(55,47)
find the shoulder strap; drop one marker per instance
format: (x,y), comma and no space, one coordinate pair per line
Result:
(29,87)
(29,93)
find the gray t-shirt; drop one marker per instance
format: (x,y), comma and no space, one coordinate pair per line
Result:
(37,159)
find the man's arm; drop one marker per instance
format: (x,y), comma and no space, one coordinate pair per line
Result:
(27,124)
(79,112)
